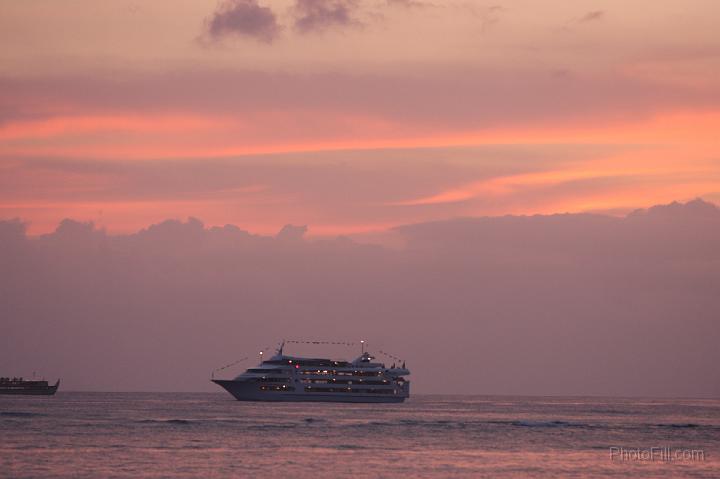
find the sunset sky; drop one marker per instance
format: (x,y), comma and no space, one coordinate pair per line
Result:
(353,116)
(182,182)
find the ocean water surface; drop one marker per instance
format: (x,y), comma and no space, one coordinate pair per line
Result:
(208,435)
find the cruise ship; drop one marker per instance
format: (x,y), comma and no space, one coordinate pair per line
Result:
(292,378)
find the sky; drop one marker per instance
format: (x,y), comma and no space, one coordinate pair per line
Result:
(353,117)
(526,187)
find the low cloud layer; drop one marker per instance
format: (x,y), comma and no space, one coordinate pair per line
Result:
(562,304)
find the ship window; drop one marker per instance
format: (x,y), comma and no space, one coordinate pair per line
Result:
(274,387)
(273,380)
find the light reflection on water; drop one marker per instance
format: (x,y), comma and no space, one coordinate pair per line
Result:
(147,435)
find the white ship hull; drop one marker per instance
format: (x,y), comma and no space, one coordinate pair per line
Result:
(250,392)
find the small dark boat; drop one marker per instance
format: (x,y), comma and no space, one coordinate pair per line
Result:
(27,386)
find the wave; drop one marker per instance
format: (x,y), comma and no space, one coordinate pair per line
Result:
(349,447)
(218,422)
(438,424)
(443,424)
(166,421)
(544,424)
(20,414)
(272,426)
(680,426)
(613,412)
(312,419)
(447,424)
(178,421)
(559,424)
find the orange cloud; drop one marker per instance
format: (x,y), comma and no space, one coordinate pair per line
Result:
(79,125)
(193,136)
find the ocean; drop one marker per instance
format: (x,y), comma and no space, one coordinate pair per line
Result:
(210,435)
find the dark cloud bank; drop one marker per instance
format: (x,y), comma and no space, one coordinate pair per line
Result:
(250,19)
(319,15)
(245,18)
(562,304)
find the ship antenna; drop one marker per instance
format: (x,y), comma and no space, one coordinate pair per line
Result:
(362,346)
